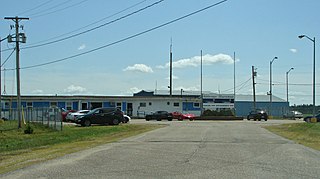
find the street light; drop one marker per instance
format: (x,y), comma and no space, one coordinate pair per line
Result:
(314,73)
(270,93)
(287,81)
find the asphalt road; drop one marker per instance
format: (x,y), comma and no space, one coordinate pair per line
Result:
(188,149)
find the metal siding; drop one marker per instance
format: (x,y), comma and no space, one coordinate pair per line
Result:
(189,106)
(278,108)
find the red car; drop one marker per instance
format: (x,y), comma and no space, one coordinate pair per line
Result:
(180,116)
(64,113)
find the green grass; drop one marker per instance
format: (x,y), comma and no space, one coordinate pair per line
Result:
(307,134)
(18,149)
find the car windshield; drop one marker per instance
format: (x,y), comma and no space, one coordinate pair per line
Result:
(93,111)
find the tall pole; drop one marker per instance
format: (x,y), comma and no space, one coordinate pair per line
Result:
(314,79)
(270,108)
(171,69)
(254,88)
(16,20)
(234,83)
(201,95)
(314,74)
(287,83)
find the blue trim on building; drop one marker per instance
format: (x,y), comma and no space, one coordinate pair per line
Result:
(189,106)
(75,105)
(124,106)
(61,104)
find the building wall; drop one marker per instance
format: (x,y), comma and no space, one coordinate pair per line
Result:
(278,108)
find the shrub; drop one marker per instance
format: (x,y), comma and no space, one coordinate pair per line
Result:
(217,113)
(29,129)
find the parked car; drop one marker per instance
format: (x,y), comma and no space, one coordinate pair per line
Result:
(126,118)
(111,116)
(65,112)
(181,116)
(72,115)
(258,115)
(293,115)
(308,118)
(159,115)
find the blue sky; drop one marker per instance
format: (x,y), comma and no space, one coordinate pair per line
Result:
(256,30)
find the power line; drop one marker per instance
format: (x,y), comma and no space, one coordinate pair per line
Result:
(49,8)
(72,5)
(8,57)
(89,30)
(102,19)
(40,5)
(127,38)
(92,29)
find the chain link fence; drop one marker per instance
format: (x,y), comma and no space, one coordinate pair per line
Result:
(50,117)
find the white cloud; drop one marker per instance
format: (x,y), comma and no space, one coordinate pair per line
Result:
(293,50)
(139,68)
(74,89)
(83,46)
(196,61)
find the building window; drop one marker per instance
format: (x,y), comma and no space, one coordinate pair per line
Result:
(119,106)
(29,105)
(197,105)
(150,103)
(168,103)
(7,105)
(176,104)
(53,104)
(112,104)
(69,106)
(143,105)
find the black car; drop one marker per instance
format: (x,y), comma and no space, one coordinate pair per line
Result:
(158,115)
(308,118)
(112,116)
(258,115)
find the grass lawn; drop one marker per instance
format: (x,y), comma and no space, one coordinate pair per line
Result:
(307,134)
(18,149)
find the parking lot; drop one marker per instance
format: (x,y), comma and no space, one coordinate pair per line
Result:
(189,149)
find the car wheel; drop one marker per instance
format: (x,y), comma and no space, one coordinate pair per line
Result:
(115,121)
(87,123)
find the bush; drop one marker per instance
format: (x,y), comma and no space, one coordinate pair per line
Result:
(217,113)
(29,129)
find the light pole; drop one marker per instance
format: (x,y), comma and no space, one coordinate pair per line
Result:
(314,73)
(270,93)
(287,81)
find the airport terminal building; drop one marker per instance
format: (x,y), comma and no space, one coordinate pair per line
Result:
(146,102)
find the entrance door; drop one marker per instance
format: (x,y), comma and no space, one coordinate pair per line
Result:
(129,109)
(84,106)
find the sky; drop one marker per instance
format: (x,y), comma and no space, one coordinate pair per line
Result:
(119,47)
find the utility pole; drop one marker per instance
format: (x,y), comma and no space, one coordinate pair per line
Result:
(234,83)
(170,69)
(201,92)
(19,37)
(254,74)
